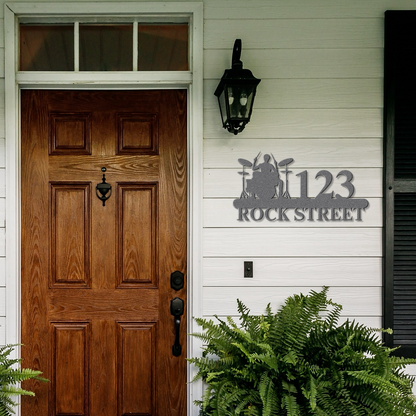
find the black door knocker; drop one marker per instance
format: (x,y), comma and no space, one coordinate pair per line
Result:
(103,188)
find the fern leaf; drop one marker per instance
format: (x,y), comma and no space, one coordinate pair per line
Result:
(310,392)
(290,358)
(290,405)
(267,395)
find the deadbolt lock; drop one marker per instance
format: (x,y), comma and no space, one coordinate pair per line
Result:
(177,280)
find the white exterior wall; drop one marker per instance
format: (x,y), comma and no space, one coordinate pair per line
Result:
(320,102)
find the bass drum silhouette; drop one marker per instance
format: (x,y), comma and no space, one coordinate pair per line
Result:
(263,185)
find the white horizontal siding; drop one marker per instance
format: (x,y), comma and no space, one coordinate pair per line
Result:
(292,242)
(412,369)
(316,9)
(307,153)
(2,302)
(2,153)
(2,242)
(310,93)
(2,212)
(319,271)
(2,182)
(2,130)
(356,301)
(301,123)
(294,33)
(2,330)
(2,271)
(299,63)
(2,62)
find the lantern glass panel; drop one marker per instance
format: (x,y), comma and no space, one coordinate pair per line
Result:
(240,100)
(223,107)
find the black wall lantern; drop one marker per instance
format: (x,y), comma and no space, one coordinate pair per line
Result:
(236,92)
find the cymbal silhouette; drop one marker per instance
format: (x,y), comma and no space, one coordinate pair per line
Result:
(245,162)
(244,173)
(286,162)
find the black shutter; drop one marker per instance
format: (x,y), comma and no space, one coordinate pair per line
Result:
(400,180)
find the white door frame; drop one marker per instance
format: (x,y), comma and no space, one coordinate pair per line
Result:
(191,80)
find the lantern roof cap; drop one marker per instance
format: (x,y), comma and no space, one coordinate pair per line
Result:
(236,75)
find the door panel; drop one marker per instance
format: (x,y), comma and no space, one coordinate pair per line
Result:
(137,255)
(136,384)
(70,375)
(70,222)
(96,279)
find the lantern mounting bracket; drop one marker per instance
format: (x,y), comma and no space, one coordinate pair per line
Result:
(236,58)
(236,92)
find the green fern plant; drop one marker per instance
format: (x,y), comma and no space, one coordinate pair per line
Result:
(10,376)
(300,362)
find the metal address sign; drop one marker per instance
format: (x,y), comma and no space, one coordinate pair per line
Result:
(265,195)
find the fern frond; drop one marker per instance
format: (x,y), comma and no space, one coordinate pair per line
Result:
(289,402)
(267,390)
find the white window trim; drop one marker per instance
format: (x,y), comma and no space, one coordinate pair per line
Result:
(191,80)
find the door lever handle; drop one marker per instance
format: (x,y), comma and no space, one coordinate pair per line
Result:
(176,309)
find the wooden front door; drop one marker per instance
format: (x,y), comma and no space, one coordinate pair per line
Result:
(96,290)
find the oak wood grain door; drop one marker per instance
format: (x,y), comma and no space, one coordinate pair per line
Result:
(96,279)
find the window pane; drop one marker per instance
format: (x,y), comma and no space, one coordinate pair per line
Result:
(46,48)
(163,47)
(106,47)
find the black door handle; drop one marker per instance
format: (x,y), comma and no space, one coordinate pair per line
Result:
(176,309)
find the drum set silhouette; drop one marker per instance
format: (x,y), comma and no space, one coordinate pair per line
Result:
(265,183)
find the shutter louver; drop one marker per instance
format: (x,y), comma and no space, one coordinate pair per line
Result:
(404,269)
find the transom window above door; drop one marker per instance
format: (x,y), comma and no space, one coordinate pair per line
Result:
(115,46)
